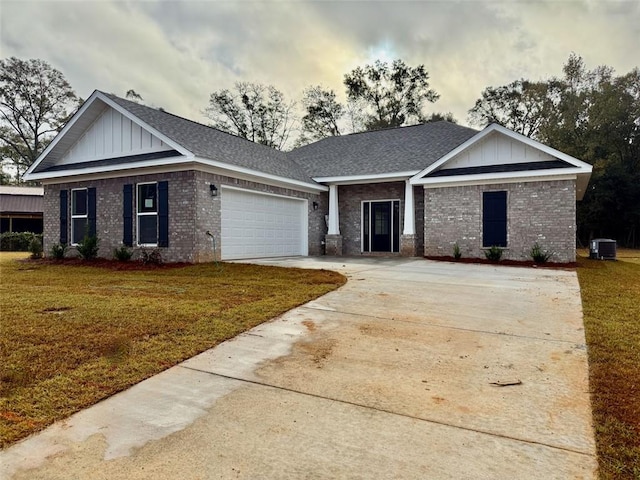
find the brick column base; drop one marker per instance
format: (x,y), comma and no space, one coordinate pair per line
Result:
(408,245)
(333,245)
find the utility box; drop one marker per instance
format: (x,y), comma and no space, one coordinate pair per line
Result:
(602,249)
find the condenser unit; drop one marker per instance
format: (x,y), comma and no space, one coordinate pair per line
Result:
(602,249)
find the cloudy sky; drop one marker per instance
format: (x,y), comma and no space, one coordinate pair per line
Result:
(175,53)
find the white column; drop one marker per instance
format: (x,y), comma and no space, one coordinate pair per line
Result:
(334,220)
(409,210)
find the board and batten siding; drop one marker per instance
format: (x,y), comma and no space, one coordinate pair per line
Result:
(112,135)
(497,149)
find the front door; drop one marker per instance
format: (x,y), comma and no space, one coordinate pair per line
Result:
(380,226)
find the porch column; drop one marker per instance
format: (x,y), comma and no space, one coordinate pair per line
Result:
(409,210)
(334,220)
(408,240)
(333,239)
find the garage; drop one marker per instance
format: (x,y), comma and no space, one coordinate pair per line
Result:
(258,225)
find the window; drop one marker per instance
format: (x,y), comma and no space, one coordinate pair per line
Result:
(494,219)
(147,208)
(79,215)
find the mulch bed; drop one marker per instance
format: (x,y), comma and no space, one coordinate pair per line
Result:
(508,263)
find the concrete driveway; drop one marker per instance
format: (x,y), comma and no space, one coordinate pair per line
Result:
(413,369)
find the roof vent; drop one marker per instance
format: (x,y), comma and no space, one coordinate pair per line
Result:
(602,249)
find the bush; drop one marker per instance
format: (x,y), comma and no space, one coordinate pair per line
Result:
(58,250)
(456,251)
(538,255)
(493,254)
(35,247)
(17,241)
(88,247)
(151,257)
(122,254)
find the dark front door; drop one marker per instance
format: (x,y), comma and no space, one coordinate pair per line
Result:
(381,226)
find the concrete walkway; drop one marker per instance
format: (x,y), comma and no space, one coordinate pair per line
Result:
(414,369)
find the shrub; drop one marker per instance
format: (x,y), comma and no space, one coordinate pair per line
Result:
(35,247)
(58,250)
(88,247)
(493,254)
(122,254)
(456,251)
(17,241)
(151,257)
(538,255)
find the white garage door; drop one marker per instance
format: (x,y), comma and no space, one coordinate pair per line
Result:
(256,225)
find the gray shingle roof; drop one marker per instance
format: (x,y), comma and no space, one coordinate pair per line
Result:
(214,144)
(392,150)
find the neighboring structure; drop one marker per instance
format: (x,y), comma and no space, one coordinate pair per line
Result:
(142,177)
(21,209)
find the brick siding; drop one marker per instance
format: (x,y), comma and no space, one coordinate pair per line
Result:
(542,212)
(192,211)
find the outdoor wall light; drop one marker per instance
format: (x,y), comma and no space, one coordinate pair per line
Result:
(214,190)
(315,205)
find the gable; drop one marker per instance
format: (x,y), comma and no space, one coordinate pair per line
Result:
(499,155)
(497,149)
(112,135)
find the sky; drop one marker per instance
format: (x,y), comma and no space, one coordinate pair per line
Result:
(176,53)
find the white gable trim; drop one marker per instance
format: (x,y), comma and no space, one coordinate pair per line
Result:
(99,96)
(583,167)
(173,164)
(360,179)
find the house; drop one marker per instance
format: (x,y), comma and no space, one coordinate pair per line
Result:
(142,177)
(21,209)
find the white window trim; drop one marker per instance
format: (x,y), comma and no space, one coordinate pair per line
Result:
(362,202)
(145,214)
(74,217)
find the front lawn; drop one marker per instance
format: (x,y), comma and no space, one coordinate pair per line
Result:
(72,335)
(611,304)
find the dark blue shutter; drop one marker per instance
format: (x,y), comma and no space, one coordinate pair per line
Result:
(494,219)
(163,214)
(64,211)
(127,216)
(91,211)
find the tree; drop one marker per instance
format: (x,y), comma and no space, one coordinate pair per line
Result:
(440,117)
(35,102)
(594,116)
(133,96)
(323,114)
(521,106)
(256,112)
(393,95)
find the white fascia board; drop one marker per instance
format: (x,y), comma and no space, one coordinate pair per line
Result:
(494,127)
(260,177)
(133,118)
(359,179)
(108,171)
(176,164)
(509,177)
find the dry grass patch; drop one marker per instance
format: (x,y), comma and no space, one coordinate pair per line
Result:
(611,304)
(75,334)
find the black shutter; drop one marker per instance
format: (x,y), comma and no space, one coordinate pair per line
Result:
(163,214)
(127,216)
(91,211)
(64,211)
(494,219)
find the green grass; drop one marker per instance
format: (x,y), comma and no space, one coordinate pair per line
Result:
(611,304)
(75,334)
